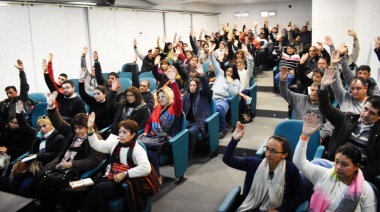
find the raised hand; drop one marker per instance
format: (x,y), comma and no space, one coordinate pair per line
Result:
(50,58)
(304,58)
(19,106)
(377,43)
(329,41)
(51,98)
(244,48)
(115,84)
(283,73)
(170,73)
(19,65)
(328,78)
(320,46)
(164,39)
(157,60)
(212,48)
(294,27)
(134,59)
(352,33)
(84,51)
(307,23)
(309,125)
(255,24)
(96,56)
(179,37)
(239,131)
(335,57)
(342,48)
(199,69)
(44,65)
(91,122)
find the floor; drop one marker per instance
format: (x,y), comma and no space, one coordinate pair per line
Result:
(209,179)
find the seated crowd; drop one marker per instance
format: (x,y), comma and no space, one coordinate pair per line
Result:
(104,121)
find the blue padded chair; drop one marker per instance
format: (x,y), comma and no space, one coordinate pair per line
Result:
(292,129)
(125,75)
(152,81)
(39,109)
(37,97)
(125,83)
(212,123)
(377,195)
(253,94)
(180,154)
(76,84)
(234,109)
(105,76)
(128,67)
(206,67)
(146,75)
(124,203)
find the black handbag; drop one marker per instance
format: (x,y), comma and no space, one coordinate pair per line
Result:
(58,178)
(152,142)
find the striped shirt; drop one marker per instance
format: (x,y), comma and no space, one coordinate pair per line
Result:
(290,61)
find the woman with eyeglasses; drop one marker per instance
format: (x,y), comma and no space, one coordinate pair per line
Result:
(102,105)
(271,184)
(128,161)
(76,155)
(165,119)
(340,188)
(47,143)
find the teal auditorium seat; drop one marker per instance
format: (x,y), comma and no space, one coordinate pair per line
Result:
(234,110)
(76,84)
(253,94)
(127,75)
(212,123)
(180,154)
(37,97)
(206,67)
(146,75)
(125,83)
(39,109)
(128,67)
(124,203)
(292,129)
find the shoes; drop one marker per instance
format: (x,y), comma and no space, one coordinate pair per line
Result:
(160,180)
(222,134)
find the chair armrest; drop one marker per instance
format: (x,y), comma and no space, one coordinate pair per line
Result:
(93,171)
(213,131)
(260,152)
(303,207)
(180,145)
(234,108)
(319,152)
(253,94)
(225,206)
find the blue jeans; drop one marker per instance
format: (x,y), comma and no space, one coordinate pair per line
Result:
(309,186)
(289,80)
(24,187)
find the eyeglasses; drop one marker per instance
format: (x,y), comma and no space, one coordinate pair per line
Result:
(42,117)
(272,151)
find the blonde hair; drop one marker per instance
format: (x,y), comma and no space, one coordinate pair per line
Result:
(44,120)
(168,93)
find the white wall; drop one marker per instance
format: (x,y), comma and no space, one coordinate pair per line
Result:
(298,14)
(360,15)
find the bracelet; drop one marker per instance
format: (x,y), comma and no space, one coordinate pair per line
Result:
(303,138)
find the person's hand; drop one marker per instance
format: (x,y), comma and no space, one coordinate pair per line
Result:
(244,48)
(320,46)
(82,75)
(157,60)
(19,65)
(175,58)
(309,125)
(19,106)
(194,33)
(329,41)
(50,59)
(178,50)
(283,73)
(239,131)
(307,23)
(84,51)
(158,39)
(342,48)
(292,72)
(335,57)
(51,98)
(255,24)
(229,38)
(119,177)
(377,43)
(328,78)
(229,79)
(199,70)
(212,48)
(96,56)
(3,149)
(179,38)
(134,59)
(115,84)
(294,27)
(134,43)
(304,58)
(170,73)
(44,66)
(352,33)
(66,165)
(91,122)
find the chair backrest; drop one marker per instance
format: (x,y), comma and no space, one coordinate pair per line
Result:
(125,83)
(292,129)
(128,67)
(146,74)
(377,195)
(206,67)
(39,109)
(125,75)
(213,106)
(76,84)
(37,97)
(105,76)
(152,81)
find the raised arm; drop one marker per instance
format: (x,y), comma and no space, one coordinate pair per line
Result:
(177,104)
(24,86)
(83,64)
(98,70)
(99,145)
(355,46)
(135,73)
(56,119)
(89,100)
(21,121)
(140,55)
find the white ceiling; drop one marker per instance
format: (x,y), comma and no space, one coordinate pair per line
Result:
(216,2)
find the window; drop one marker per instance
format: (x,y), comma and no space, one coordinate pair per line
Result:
(239,14)
(267,13)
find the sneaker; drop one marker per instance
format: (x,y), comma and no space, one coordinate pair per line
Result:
(222,134)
